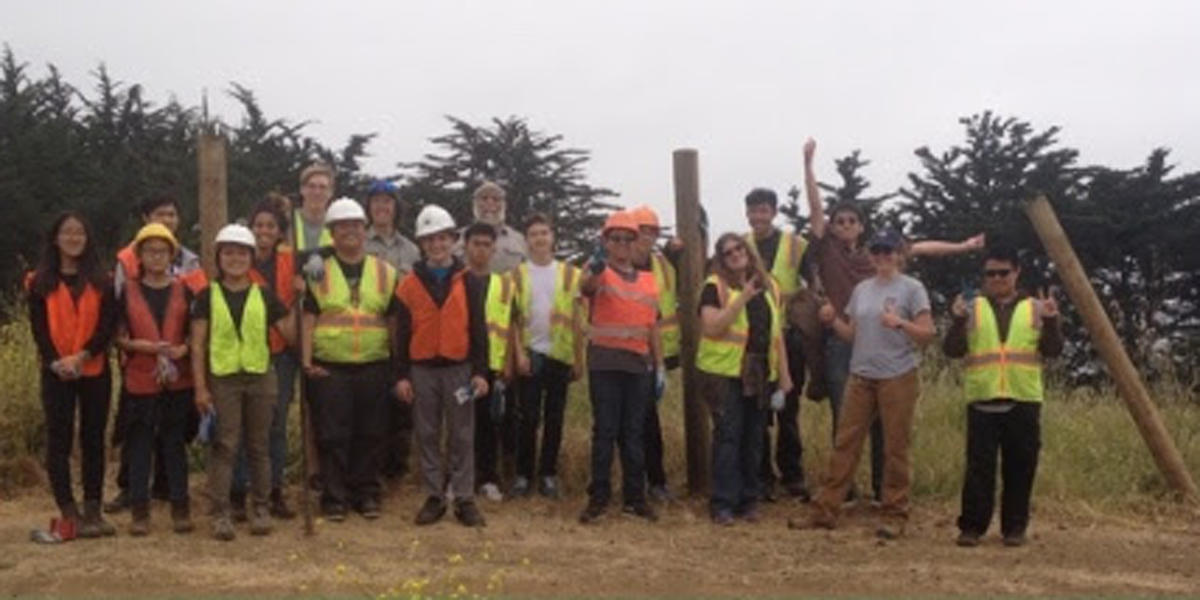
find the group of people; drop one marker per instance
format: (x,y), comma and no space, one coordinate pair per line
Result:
(472,336)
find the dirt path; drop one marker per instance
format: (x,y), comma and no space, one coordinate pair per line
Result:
(537,548)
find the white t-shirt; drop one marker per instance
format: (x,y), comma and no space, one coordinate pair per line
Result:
(541,286)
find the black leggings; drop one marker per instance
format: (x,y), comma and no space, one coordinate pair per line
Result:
(60,400)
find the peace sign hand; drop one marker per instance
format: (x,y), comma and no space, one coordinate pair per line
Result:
(1047,305)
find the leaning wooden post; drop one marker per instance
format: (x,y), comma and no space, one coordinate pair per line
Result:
(1104,336)
(691,276)
(213,194)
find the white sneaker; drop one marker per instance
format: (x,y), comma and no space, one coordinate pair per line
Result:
(491,491)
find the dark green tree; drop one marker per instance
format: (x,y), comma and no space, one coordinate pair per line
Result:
(853,188)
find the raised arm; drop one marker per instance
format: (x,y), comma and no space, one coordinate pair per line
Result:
(816,212)
(944,248)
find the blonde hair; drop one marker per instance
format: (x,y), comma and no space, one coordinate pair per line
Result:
(754,264)
(317,168)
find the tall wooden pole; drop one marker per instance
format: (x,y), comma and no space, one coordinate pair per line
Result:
(1104,336)
(691,275)
(211,171)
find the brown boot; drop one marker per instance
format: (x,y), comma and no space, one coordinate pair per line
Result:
(279,507)
(93,525)
(181,517)
(140,525)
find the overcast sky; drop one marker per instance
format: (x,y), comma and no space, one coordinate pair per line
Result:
(744,83)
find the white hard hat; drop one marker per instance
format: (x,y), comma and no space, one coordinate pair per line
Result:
(235,234)
(344,209)
(434,219)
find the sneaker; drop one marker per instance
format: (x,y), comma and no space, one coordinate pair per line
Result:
(279,508)
(334,511)
(642,510)
(237,508)
(1013,540)
(660,493)
(93,524)
(491,492)
(181,518)
(260,523)
(432,511)
(223,529)
(118,504)
(723,518)
(467,513)
(520,488)
(368,508)
(593,512)
(548,487)
(967,539)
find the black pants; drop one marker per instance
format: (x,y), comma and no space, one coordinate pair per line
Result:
(398,442)
(619,401)
(163,417)
(789,448)
(60,400)
(543,401)
(487,436)
(120,432)
(350,408)
(652,438)
(1016,436)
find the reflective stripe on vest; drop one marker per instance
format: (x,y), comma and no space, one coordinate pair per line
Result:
(623,312)
(498,312)
(437,331)
(140,368)
(785,265)
(1010,370)
(233,350)
(723,355)
(72,322)
(668,307)
(351,326)
(285,264)
(562,309)
(326,238)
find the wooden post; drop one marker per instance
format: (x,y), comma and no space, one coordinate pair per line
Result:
(1104,336)
(211,172)
(691,276)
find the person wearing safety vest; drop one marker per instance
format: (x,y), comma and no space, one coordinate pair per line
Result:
(782,255)
(647,257)
(886,319)
(1004,336)
(73,313)
(346,356)
(496,306)
(742,357)
(549,355)
(162,209)
(232,320)
(625,366)
(841,262)
(157,377)
(442,352)
(308,221)
(274,269)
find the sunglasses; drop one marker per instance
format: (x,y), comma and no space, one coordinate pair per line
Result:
(622,239)
(730,251)
(997,272)
(881,250)
(848,221)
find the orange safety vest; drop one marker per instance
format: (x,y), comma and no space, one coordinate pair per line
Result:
(72,322)
(436,331)
(623,313)
(195,280)
(285,265)
(138,373)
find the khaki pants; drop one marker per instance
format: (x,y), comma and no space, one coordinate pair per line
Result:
(245,405)
(894,401)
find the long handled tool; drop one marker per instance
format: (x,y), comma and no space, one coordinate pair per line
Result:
(305,429)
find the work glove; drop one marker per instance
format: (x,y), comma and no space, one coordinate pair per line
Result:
(314,268)
(660,384)
(496,402)
(208,427)
(777,401)
(596,264)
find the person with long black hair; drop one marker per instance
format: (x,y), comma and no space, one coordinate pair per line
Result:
(72,312)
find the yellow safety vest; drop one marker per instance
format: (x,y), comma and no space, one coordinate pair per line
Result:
(723,355)
(352,326)
(498,313)
(668,307)
(785,267)
(326,238)
(233,350)
(562,311)
(1011,370)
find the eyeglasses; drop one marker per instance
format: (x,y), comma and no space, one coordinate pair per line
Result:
(847,221)
(997,272)
(881,250)
(622,239)
(730,251)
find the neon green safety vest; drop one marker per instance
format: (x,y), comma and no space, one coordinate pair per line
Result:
(562,312)
(723,355)
(232,350)
(352,326)
(1011,370)
(326,238)
(785,267)
(668,307)
(498,313)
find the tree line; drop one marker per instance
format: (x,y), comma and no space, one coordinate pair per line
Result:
(102,149)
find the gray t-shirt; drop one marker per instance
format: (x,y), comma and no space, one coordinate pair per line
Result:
(880,352)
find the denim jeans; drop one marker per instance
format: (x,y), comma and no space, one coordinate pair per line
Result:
(619,401)
(738,426)
(837,372)
(164,415)
(285,371)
